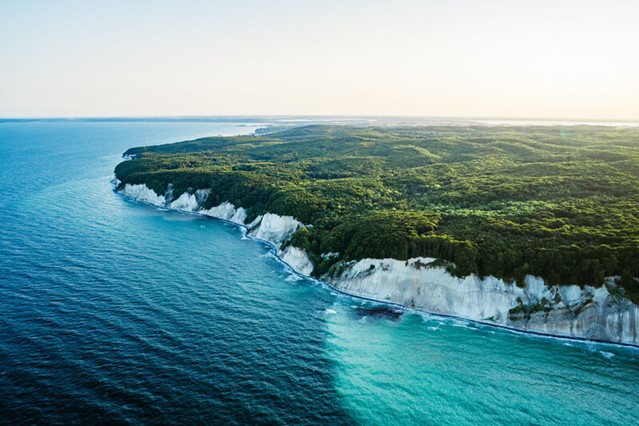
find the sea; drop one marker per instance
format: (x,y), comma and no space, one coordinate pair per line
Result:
(118,312)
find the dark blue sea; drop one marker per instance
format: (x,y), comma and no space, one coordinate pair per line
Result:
(112,311)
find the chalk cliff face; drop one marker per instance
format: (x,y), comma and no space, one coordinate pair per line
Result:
(590,313)
(268,227)
(143,194)
(297,259)
(185,202)
(227,211)
(274,228)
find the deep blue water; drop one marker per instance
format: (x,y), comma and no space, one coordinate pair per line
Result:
(113,311)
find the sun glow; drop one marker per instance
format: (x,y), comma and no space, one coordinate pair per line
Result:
(458,58)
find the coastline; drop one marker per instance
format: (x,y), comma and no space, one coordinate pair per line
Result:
(191,205)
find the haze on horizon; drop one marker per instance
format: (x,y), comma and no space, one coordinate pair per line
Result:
(550,59)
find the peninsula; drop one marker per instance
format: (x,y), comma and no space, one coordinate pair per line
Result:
(534,228)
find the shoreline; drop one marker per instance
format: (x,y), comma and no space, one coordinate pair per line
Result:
(276,251)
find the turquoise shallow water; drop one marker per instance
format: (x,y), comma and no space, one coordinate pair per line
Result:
(119,312)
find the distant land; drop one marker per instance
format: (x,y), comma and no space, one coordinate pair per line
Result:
(293,120)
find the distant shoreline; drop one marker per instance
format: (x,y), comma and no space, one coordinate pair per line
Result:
(292,120)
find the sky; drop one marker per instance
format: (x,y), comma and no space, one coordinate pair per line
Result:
(453,58)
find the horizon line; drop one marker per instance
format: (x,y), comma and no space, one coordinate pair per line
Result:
(333,116)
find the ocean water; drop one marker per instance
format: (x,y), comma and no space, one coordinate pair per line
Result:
(112,311)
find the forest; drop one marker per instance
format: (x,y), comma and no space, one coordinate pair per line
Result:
(560,202)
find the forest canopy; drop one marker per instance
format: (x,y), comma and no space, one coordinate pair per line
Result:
(560,202)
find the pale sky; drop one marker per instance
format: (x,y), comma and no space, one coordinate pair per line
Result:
(490,58)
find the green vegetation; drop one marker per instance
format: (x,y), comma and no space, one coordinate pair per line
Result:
(558,202)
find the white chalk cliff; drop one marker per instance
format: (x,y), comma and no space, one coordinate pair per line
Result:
(297,259)
(227,211)
(143,194)
(268,227)
(275,228)
(589,313)
(570,311)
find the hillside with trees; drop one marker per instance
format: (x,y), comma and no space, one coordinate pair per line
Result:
(558,202)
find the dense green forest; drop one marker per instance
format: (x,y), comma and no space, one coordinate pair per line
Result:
(557,202)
